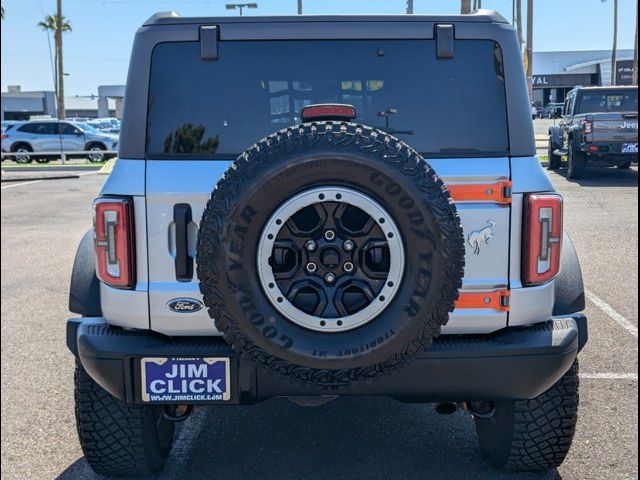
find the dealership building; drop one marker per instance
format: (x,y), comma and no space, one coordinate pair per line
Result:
(20,105)
(554,74)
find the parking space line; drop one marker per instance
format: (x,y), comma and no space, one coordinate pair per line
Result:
(37,181)
(609,376)
(20,184)
(612,313)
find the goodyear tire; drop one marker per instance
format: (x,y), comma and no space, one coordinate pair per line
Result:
(532,435)
(119,439)
(377,224)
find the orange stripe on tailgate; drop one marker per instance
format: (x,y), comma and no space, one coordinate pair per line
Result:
(487,192)
(496,300)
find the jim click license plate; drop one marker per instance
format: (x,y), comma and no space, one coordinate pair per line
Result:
(185,379)
(629,148)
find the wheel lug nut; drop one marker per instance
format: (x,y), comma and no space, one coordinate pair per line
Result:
(347,267)
(348,245)
(311,267)
(329,235)
(310,246)
(329,277)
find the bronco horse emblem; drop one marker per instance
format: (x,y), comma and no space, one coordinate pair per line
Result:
(482,236)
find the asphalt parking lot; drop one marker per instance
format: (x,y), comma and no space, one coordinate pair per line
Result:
(43,221)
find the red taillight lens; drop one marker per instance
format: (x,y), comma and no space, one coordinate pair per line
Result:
(587,126)
(3,136)
(113,241)
(543,238)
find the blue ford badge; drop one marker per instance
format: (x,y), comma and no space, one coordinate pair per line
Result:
(184,305)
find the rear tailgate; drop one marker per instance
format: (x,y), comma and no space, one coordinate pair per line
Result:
(171,182)
(614,127)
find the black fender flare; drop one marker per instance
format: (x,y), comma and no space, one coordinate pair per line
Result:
(568,285)
(84,292)
(575,134)
(555,132)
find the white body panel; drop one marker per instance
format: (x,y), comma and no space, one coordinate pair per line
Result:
(157,185)
(177,181)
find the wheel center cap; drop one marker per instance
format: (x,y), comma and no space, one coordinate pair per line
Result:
(330,257)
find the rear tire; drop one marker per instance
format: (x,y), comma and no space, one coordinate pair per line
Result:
(577,163)
(555,161)
(24,149)
(625,166)
(532,435)
(119,439)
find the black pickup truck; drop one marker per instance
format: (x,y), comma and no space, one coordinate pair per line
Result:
(599,126)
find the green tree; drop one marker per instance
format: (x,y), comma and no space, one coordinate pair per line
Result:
(189,138)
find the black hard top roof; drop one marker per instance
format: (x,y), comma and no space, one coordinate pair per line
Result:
(479,16)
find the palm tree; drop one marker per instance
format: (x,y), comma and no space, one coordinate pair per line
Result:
(2,12)
(465,7)
(57,25)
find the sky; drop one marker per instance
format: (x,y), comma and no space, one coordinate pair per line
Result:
(97,51)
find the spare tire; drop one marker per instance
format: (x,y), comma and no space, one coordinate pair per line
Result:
(330,253)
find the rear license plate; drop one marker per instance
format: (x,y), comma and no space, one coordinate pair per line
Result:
(629,148)
(185,379)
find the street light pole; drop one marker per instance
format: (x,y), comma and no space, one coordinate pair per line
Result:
(634,78)
(615,42)
(530,49)
(59,68)
(240,6)
(410,7)
(299,7)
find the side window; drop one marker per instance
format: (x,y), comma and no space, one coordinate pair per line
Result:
(568,108)
(29,128)
(68,129)
(49,128)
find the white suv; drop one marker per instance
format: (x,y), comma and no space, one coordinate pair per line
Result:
(383,230)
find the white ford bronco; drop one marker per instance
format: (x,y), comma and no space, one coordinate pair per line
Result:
(315,207)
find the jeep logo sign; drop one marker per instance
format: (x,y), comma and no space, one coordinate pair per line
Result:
(184,305)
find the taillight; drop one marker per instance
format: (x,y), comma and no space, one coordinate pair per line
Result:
(113,241)
(3,136)
(328,111)
(587,126)
(543,238)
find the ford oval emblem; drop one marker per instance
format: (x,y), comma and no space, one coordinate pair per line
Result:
(184,305)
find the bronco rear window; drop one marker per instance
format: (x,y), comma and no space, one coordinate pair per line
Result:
(218,108)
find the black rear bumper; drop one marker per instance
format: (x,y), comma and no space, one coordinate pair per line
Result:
(514,363)
(608,150)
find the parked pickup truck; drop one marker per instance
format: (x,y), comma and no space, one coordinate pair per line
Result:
(599,127)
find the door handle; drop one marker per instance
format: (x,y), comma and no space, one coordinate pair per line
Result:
(183,261)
